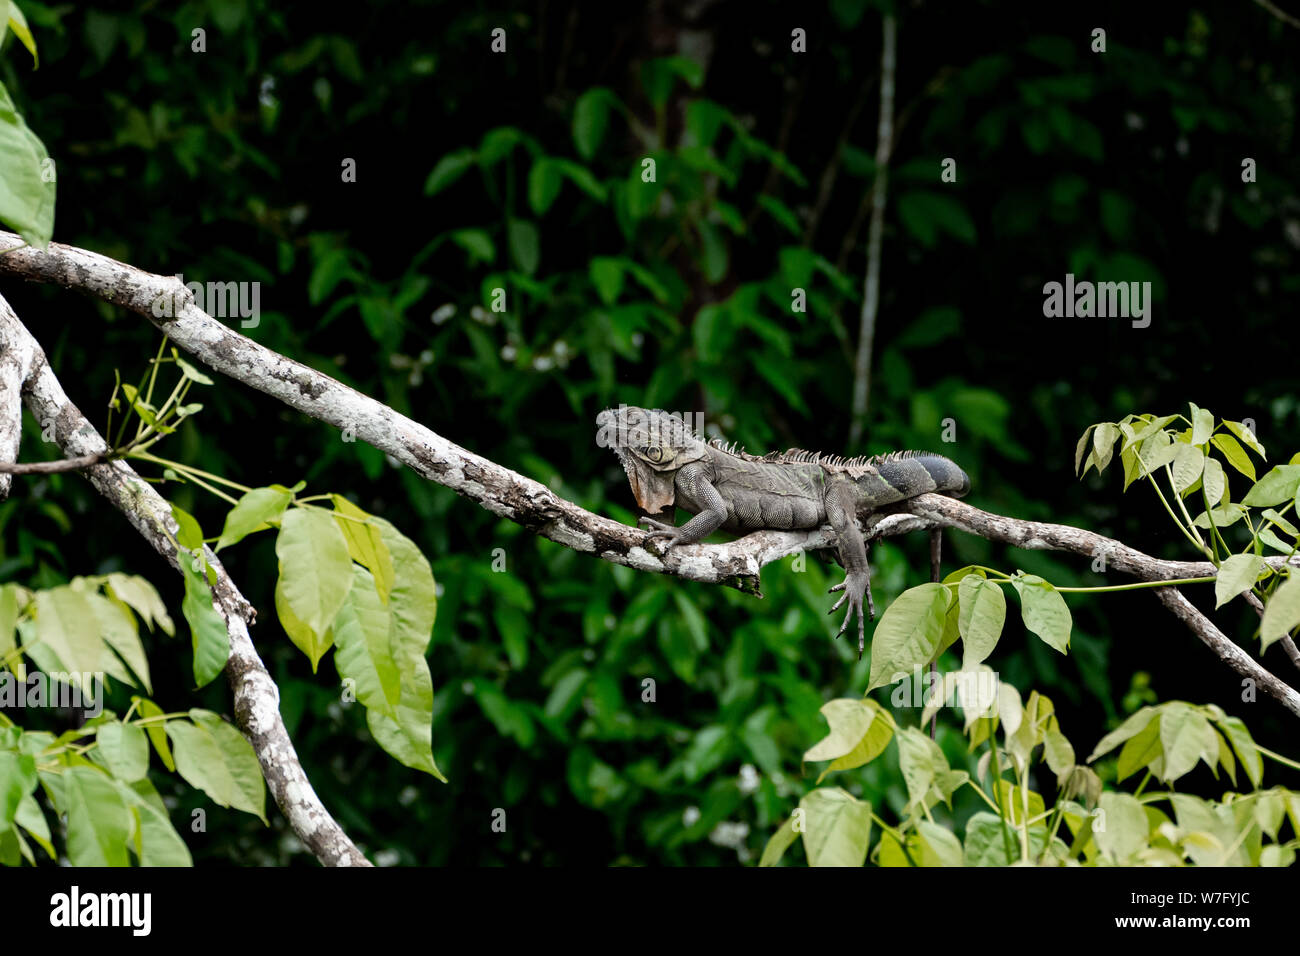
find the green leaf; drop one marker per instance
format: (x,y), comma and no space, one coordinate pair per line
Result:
(1126,828)
(1103,444)
(208,637)
(937,846)
(66,626)
(1277,486)
(17,779)
(1247,436)
(606,275)
(160,844)
(543,184)
(18,24)
(1202,425)
(26,188)
(920,761)
(779,842)
(925,214)
(156,730)
(363,631)
(413,603)
(8,622)
(837,828)
(1185,737)
(125,750)
(188,533)
(909,633)
(1234,454)
(1189,462)
(1044,611)
(99,823)
(476,243)
(525,246)
(591,119)
(849,721)
(256,510)
(315,575)
(214,757)
(1237,573)
(983,612)
(365,543)
(143,598)
(1131,727)
(449,169)
(1281,613)
(1235,730)
(117,627)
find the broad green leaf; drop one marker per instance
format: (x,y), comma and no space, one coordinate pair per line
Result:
(188,533)
(1125,830)
(1235,730)
(160,844)
(1237,573)
(1189,462)
(17,780)
(8,623)
(544,183)
(1247,436)
(363,630)
(26,189)
(143,598)
(208,638)
(125,750)
(1185,737)
(1131,727)
(983,612)
(1234,454)
(849,721)
(119,631)
(1082,447)
(255,510)
(837,828)
(1103,444)
(1277,486)
(779,842)
(1281,613)
(315,574)
(214,757)
(1214,481)
(449,169)
(65,625)
(18,24)
(365,543)
(525,245)
(590,119)
(1044,611)
(1143,749)
(156,730)
(936,846)
(99,822)
(920,760)
(909,633)
(31,818)
(871,746)
(1202,425)
(606,274)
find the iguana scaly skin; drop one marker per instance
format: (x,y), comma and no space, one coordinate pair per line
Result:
(724,487)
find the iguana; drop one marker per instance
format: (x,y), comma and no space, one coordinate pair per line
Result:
(724,487)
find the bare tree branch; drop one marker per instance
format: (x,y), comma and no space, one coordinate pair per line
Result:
(1279,13)
(256,697)
(48,467)
(510,495)
(1218,642)
(875,233)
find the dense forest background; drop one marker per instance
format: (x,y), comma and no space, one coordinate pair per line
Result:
(477,169)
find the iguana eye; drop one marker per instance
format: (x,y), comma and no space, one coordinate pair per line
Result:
(654,453)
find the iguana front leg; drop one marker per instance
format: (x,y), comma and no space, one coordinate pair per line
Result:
(692,480)
(841,511)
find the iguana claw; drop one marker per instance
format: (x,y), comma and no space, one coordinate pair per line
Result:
(856,585)
(660,530)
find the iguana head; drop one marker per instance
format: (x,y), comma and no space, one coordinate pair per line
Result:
(652,445)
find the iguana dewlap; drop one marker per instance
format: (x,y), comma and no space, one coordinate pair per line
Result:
(724,487)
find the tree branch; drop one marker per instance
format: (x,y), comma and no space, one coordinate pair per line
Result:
(256,697)
(875,233)
(529,503)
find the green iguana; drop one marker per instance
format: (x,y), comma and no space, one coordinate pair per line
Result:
(724,487)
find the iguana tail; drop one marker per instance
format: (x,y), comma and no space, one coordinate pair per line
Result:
(911,473)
